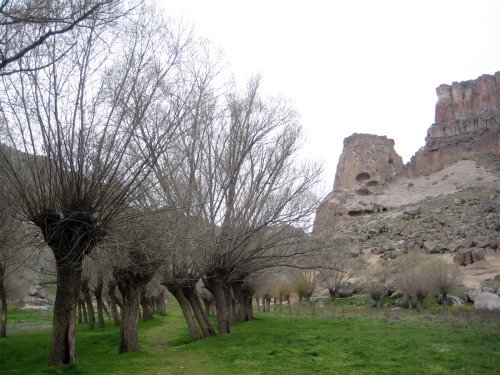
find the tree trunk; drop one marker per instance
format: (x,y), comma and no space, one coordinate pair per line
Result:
(194,301)
(258,303)
(160,304)
(186,310)
(147,313)
(267,304)
(114,303)
(63,327)
(274,302)
(80,321)
(281,305)
(207,305)
(420,303)
(129,341)
(3,302)
(100,303)
(239,309)
(289,305)
(216,286)
(247,306)
(88,302)
(231,303)
(445,302)
(81,302)
(106,310)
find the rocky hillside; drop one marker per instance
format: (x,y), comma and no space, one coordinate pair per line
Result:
(444,202)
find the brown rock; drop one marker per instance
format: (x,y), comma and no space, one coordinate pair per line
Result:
(466,125)
(367,161)
(466,257)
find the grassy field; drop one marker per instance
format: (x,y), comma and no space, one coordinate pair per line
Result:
(345,340)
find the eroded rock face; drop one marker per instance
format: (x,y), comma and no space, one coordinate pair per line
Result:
(467,123)
(367,162)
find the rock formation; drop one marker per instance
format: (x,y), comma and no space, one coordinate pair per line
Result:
(367,161)
(367,164)
(446,201)
(467,123)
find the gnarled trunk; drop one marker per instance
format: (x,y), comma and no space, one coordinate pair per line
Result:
(99,301)
(3,303)
(216,286)
(186,309)
(63,327)
(194,301)
(129,341)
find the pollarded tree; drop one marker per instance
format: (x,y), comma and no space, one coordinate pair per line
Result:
(76,135)
(254,190)
(133,254)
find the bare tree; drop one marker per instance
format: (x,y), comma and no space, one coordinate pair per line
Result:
(376,280)
(443,277)
(335,267)
(415,278)
(254,192)
(29,27)
(76,132)
(7,233)
(133,253)
(304,283)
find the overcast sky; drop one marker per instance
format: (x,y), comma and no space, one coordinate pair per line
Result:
(352,66)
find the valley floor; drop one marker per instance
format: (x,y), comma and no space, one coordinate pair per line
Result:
(343,340)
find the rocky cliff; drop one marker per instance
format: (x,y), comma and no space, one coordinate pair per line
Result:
(367,165)
(467,123)
(445,201)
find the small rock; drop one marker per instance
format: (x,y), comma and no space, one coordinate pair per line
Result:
(452,300)
(466,257)
(412,211)
(487,301)
(488,289)
(397,294)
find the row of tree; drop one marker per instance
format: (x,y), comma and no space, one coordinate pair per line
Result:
(122,143)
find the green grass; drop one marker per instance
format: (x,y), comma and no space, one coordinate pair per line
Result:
(353,341)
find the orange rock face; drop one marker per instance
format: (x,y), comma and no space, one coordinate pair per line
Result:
(467,123)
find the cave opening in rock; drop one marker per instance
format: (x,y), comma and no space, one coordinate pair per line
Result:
(363,191)
(372,183)
(363,176)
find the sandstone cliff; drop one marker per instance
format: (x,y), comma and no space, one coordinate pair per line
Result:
(467,123)
(445,201)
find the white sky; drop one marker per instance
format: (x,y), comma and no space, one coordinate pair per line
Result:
(352,66)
